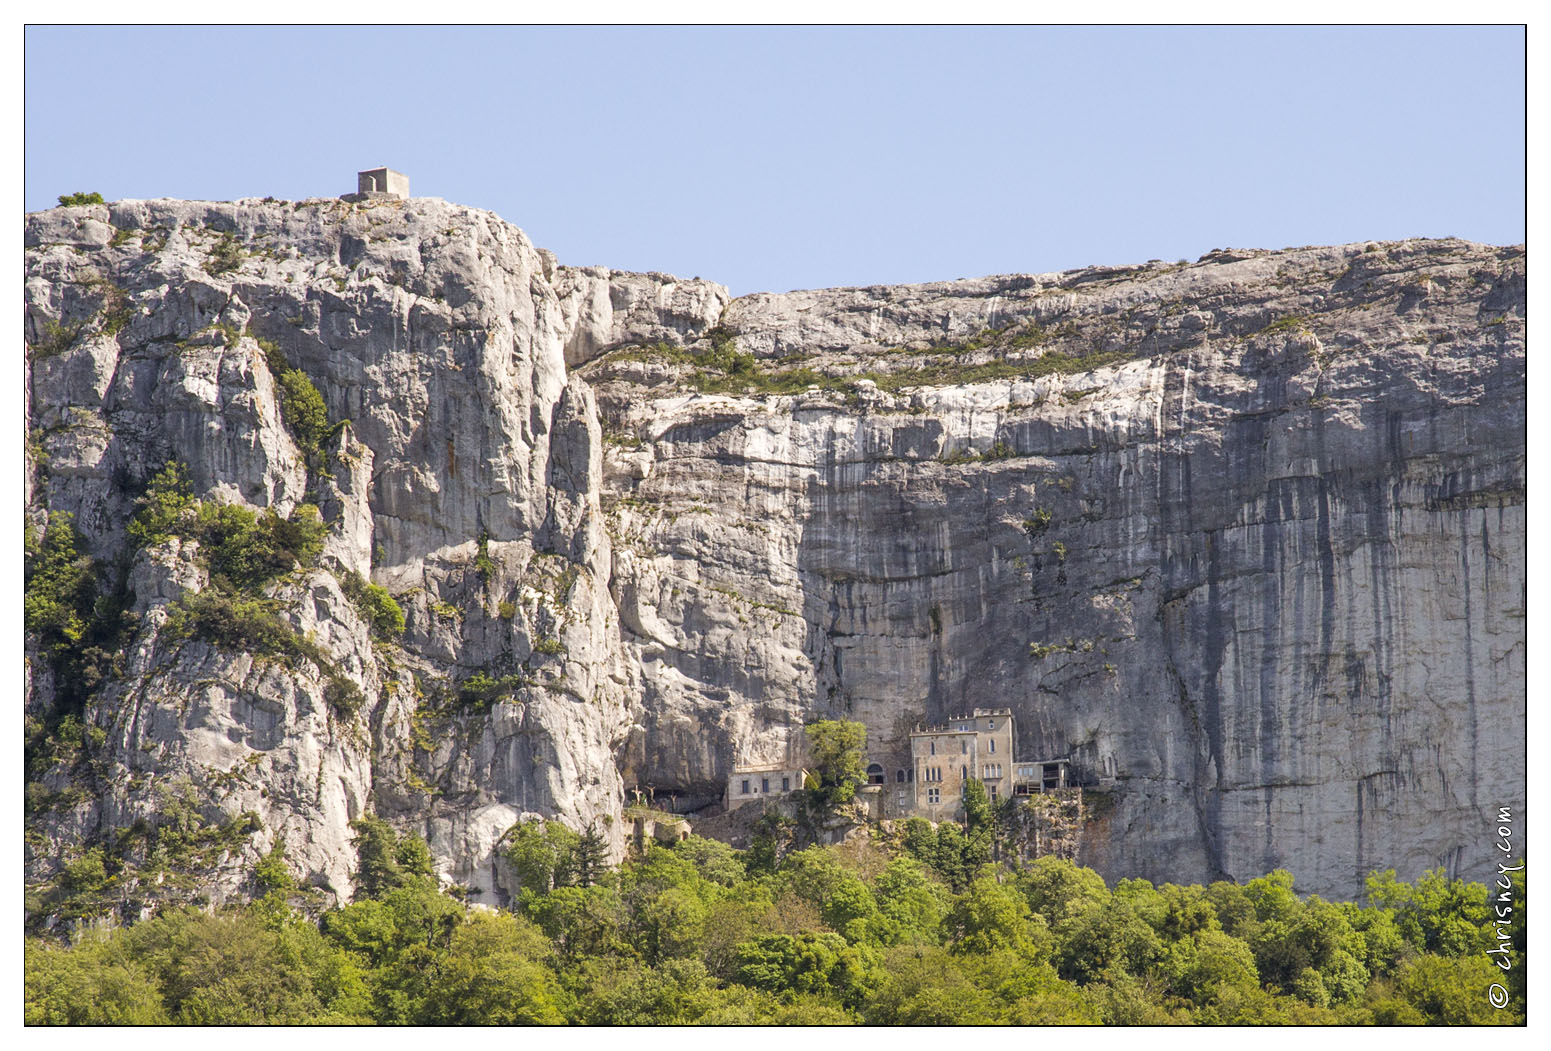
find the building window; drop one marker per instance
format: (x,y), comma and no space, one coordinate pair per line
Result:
(934,795)
(993,793)
(764,784)
(993,744)
(875,774)
(786,784)
(963,773)
(899,777)
(745,786)
(963,746)
(991,723)
(933,746)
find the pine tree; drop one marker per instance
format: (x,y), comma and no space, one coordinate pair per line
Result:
(591,856)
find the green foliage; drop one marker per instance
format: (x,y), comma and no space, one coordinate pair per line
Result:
(821,965)
(272,874)
(54,338)
(92,984)
(836,749)
(61,587)
(492,974)
(988,916)
(80,197)
(225,256)
(301,406)
(772,838)
(235,623)
(163,509)
(482,561)
(387,861)
(80,630)
(481,690)
(543,855)
(246,550)
(1037,523)
(1291,323)
(692,933)
(591,856)
(1436,914)
(740,372)
(376,605)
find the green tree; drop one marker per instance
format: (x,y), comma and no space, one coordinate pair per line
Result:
(986,917)
(229,969)
(246,550)
(61,587)
(924,985)
(583,921)
(715,861)
(911,900)
(543,855)
(1452,991)
(1060,890)
(93,983)
(384,614)
(1449,917)
(980,825)
(808,964)
(301,404)
(836,750)
(676,992)
(385,861)
(161,510)
(591,856)
(80,197)
(672,924)
(492,974)
(772,838)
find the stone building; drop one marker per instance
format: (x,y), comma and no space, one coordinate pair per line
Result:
(978,745)
(749,783)
(382,182)
(1044,775)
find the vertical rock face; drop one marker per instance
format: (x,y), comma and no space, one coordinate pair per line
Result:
(1252,554)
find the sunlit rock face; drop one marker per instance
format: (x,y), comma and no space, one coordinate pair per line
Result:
(1253,555)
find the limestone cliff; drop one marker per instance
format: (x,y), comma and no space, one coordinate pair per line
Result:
(1245,537)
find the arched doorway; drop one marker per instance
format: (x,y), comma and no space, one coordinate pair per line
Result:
(875,774)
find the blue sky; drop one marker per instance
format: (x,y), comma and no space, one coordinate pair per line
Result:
(778,159)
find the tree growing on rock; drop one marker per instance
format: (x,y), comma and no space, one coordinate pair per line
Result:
(835,746)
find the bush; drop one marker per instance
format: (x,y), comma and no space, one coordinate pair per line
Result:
(483,690)
(301,405)
(54,338)
(75,200)
(376,605)
(161,508)
(236,623)
(1037,523)
(226,256)
(248,550)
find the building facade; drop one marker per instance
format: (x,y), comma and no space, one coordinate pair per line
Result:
(978,745)
(747,784)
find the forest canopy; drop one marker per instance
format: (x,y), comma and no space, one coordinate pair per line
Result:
(913,927)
